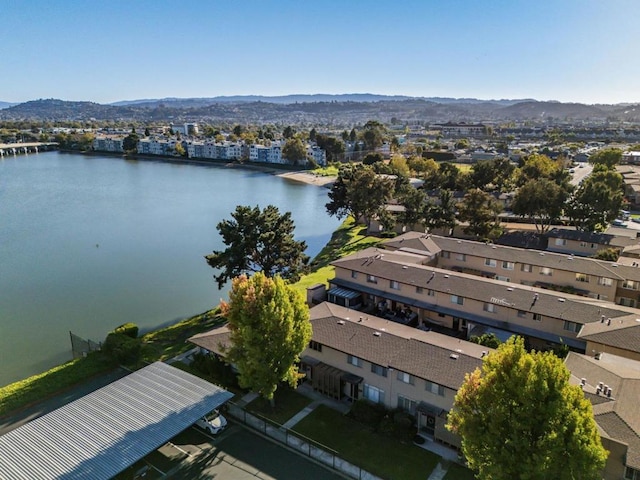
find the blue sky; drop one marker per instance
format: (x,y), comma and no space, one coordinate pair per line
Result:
(104,51)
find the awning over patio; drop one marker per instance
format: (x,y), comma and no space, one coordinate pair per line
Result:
(426,408)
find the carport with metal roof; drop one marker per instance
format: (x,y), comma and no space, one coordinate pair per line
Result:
(104,432)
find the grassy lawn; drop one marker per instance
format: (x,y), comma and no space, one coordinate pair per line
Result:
(380,455)
(38,387)
(288,402)
(347,239)
(458,472)
(329,171)
(464,167)
(171,341)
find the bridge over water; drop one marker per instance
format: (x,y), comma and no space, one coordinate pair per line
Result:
(20,148)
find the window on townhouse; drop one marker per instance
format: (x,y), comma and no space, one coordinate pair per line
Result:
(490,262)
(572,326)
(607,282)
(419,289)
(461,257)
(394,285)
(445,254)
(373,394)
(526,268)
(582,277)
(372,279)
(355,361)
(627,302)
(434,388)
(317,346)
(508,265)
(457,300)
(405,378)
(490,307)
(379,370)
(431,293)
(502,278)
(522,314)
(408,404)
(537,317)
(631,474)
(546,271)
(583,244)
(354,274)
(561,242)
(630,285)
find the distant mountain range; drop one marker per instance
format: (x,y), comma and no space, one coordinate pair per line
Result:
(6,105)
(347,109)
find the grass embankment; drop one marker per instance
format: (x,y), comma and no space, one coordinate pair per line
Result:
(158,345)
(347,239)
(38,387)
(329,171)
(355,442)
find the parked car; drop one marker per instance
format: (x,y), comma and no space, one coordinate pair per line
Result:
(619,223)
(213,423)
(636,219)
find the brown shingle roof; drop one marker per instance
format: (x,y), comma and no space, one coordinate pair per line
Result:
(623,332)
(389,265)
(619,415)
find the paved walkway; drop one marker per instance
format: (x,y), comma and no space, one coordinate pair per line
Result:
(439,472)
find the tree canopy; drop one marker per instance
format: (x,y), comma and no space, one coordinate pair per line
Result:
(597,201)
(542,200)
(270,327)
(360,192)
(519,418)
(295,151)
(480,210)
(609,157)
(258,241)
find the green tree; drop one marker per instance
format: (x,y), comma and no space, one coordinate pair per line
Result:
(597,201)
(147,132)
(333,147)
(519,418)
(358,191)
(486,339)
(414,202)
(180,150)
(399,165)
(480,210)
(295,151)
(610,254)
(609,157)
(313,135)
(442,214)
(130,143)
(288,132)
(269,328)
(537,166)
(371,158)
(541,200)
(373,135)
(258,240)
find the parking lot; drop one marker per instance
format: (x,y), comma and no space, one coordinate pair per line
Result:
(235,454)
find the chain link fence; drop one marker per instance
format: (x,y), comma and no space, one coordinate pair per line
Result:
(81,347)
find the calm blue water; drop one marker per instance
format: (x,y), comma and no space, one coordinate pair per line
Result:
(90,242)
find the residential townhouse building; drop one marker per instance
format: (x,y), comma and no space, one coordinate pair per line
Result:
(612,385)
(317,154)
(403,286)
(620,337)
(264,154)
(615,282)
(353,356)
(584,244)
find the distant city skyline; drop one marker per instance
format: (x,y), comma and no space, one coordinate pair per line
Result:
(570,51)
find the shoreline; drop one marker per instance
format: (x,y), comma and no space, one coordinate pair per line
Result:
(301,176)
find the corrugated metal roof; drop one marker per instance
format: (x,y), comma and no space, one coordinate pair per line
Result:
(104,432)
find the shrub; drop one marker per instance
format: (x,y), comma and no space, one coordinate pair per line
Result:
(122,348)
(129,329)
(368,413)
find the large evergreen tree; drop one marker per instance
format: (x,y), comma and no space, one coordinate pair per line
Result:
(519,418)
(258,240)
(270,327)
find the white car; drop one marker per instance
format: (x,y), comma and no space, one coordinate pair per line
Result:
(213,423)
